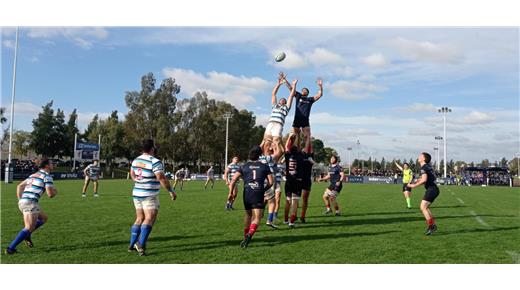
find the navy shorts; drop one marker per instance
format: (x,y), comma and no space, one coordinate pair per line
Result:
(301,123)
(431,194)
(254,200)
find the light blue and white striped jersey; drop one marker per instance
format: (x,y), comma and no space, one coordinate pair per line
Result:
(233,167)
(93,171)
(277,173)
(279,113)
(36,185)
(145,167)
(269,160)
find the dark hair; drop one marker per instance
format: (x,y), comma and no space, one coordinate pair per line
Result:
(95,160)
(335,157)
(305,89)
(44,162)
(427,157)
(255,153)
(294,149)
(148,145)
(406,163)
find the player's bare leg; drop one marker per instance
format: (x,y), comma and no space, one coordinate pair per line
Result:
(334,202)
(305,203)
(271,204)
(85,186)
(430,220)
(150,215)
(327,203)
(286,210)
(407,195)
(277,200)
(96,183)
(254,221)
(136,228)
(294,210)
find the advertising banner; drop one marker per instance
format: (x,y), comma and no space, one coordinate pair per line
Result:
(86,151)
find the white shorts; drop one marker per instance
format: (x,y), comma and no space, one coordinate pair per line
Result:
(331,193)
(269,194)
(151,202)
(274,129)
(27,206)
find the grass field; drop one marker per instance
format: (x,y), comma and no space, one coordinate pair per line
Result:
(476,225)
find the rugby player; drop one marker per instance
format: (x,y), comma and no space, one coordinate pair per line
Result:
(271,155)
(29,192)
(91,173)
(407,178)
(293,183)
(307,165)
(432,191)
(335,176)
(179,176)
(303,108)
(280,109)
(147,172)
(210,177)
(254,173)
(229,173)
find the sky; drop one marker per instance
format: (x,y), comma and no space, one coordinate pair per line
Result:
(382,86)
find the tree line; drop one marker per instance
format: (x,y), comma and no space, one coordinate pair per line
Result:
(190,131)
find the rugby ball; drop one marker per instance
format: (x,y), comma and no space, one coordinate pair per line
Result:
(280,57)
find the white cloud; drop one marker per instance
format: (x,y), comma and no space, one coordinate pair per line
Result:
(237,90)
(376,60)
(353,90)
(427,51)
(421,107)
(320,56)
(8,43)
(84,37)
(477,117)
(23,108)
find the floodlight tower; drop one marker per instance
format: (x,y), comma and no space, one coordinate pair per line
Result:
(438,138)
(227,116)
(349,160)
(444,111)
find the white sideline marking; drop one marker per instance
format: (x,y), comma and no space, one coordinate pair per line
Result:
(479,219)
(515,256)
(460,200)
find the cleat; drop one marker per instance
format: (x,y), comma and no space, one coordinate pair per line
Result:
(139,249)
(431,229)
(29,243)
(131,249)
(285,222)
(337,213)
(328,211)
(271,225)
(246,241)
(302,220)
(10,251)
(291,225)
(409,208)
(83,195)
(96,195)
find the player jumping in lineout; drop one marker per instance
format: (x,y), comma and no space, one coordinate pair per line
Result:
(407,178)
(432,191)
(29,193)
(147,172)
(91,173)
(254,173)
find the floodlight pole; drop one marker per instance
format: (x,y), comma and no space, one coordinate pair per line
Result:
(349,160)
(74,152)
(444,111)
(227,116)
(438,138)
(8,169)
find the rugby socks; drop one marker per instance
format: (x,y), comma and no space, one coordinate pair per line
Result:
(430,222)
(293,218)
(252,229)
(270,217)
(39,223)
(22,235)
(145,232)
(408,202)
(246,230)
(135,230)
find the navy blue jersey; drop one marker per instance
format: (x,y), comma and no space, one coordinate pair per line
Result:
(428,170)
(293,165)
(307,165)
(254,174)
(303,106)
(335,173)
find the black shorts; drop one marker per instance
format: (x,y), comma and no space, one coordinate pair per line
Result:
(431,194)
(335,188)
(406,187)
(293,187)
(301,122)
(307,184)
(253,200)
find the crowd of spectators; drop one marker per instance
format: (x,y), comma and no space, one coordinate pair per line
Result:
(499,177)
(375,172)
(21,165)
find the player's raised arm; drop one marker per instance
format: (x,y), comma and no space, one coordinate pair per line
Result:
(398,166)
(320,90)
(275,91)
(290,142)
(20,188)
(291,95)
(234,180)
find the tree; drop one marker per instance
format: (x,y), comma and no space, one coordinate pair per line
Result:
(2,113)
(70,131)
(503,162)
(151,114)
(21,143)
(48,133)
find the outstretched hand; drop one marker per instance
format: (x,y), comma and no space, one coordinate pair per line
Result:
(294,82)
(320,82)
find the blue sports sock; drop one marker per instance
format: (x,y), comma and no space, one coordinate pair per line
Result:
(22,235)
(270,217)
(39,223)
(135,230)
(145,232)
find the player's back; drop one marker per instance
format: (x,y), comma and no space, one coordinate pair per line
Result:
(35,185)
(254,174)
(146,183)
(293,165)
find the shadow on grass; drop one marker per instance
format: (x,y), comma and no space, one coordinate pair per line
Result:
(270,241)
